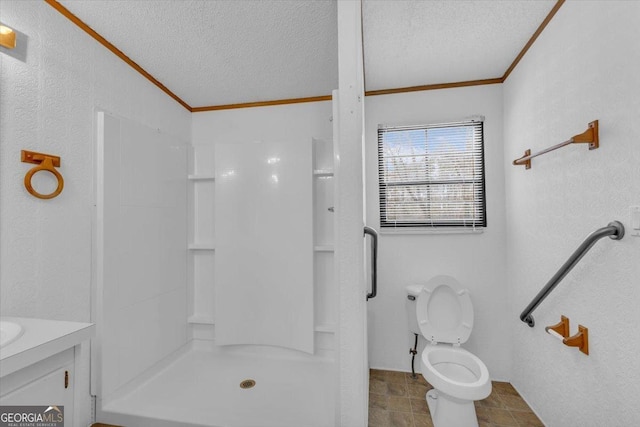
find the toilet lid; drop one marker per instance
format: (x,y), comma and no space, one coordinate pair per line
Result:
(444,311)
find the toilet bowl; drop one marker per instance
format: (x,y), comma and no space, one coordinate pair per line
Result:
(456,372)
(443,314)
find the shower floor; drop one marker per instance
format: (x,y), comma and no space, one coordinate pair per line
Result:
(201,387)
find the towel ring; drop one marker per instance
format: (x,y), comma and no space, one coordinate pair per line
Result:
(47,163)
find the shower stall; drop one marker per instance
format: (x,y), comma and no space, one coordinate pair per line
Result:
(216,277)
(216,298)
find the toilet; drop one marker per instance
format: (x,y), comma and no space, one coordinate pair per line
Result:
(441,311)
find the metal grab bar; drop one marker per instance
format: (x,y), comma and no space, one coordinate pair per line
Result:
(374,261)
(615,230)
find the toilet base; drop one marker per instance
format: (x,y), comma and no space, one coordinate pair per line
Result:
(447,411)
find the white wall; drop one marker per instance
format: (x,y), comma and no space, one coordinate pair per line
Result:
(47,104)
(477,261)
(583,67)
(291,121)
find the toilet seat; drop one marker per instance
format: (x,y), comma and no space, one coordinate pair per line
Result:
(444,311)
(456,372)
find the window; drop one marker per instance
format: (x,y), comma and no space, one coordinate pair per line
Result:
(432,175)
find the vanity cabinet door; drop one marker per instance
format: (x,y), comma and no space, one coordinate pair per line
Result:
(48,390)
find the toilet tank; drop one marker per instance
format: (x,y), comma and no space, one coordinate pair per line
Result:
(412,294)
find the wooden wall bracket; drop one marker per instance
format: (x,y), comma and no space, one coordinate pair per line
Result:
(561,328)
(580,340)
(37,158)
(589,136)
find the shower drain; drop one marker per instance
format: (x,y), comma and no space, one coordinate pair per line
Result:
(247,384)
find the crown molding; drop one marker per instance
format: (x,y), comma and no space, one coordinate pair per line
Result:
(106,43)
(65,12)
(262,103)
(533,38)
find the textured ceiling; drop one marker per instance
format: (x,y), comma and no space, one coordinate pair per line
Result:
(414,43)
(217,52)
(223,52)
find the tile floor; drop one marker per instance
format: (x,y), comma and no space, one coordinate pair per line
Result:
(396,399)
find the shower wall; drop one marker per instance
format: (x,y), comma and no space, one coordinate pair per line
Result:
(47,103)
(308,124)
(263,271)
(141,230)
(583,67)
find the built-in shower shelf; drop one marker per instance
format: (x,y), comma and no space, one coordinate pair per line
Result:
(201,177)
(208,320)
(200,320)
(323,248)
(331,328)
(202,247)
(323,172)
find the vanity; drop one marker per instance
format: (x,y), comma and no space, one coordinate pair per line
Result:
(38,361)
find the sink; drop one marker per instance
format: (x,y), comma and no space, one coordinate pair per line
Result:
(9,332)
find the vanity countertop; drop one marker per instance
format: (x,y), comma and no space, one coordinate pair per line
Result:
(41,339)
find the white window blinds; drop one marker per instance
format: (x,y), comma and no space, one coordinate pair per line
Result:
(432,175)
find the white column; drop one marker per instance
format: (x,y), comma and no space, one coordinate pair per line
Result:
(352,349)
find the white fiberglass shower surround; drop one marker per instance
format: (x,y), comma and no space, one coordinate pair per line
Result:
(216,294)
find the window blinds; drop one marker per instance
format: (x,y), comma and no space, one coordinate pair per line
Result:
(432,175)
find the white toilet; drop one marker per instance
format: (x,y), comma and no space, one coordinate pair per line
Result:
(441,311)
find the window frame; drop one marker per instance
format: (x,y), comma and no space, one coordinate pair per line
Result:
(425,225)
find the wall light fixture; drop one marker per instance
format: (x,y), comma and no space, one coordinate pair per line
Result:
(7,37)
